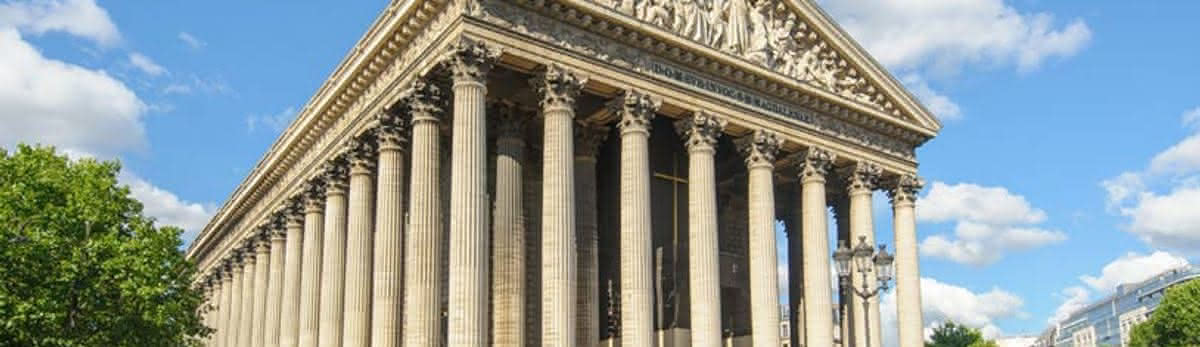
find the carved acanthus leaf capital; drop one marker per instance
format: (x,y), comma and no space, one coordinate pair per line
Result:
(759,148)
(336,175)
(470,60)
(814,163)
(510,121)
(861,177)
(588,138)
(424,100)
(313,195)
(558,86)
(904,188)
(292,211)
(700,131)
(636,110)
(391,131)
(361,154)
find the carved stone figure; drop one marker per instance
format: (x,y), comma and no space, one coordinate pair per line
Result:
(691,19)
(656,12)
(737,27)
(716,22)
(758,49)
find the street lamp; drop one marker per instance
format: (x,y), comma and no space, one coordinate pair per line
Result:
(862,258)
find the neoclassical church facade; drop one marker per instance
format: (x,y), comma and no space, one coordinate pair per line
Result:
(575,173)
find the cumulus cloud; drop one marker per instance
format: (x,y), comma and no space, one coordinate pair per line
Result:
(942,302)
(271,122)
(989,223)
(82,18)
(146,65)
(939,104)
(1131,268)
(1075,298)
(167,208)
(191,41)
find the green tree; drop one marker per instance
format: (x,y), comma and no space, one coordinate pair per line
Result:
(79,263)
(1176,321)
(951,334)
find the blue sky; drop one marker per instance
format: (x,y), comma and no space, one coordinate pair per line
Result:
(1069,161)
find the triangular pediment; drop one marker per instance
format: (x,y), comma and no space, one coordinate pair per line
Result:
(794,38)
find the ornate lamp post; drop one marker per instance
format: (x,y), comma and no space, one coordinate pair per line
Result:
(862,258)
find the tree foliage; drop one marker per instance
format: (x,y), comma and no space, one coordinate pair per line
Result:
(1176,321)
(79,263)
(950,334)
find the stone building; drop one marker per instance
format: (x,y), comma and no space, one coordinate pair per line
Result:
(571,173)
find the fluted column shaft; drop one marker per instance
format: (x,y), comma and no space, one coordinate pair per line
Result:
(356,323)
(588,140)
(274,298)
(386,314)
(308,325)
(760,149)
(818,302)
(333,257)
(246,316)
(223,319)
(508,269)
(796,271)
(700,134)
(289,306)
(235,307)
(861,183)
(422,326)
(559,89)
(468,318)
(262,269)
(637,290)
(908,274)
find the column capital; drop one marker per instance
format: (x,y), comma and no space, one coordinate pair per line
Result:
(636,110)
(361,154)
(423,99)
(246,251)
(336,174)
(861,177)
(588,138)
(470,61)
(759,148)
(261,241)
(313,195)
(903,189)
(511,121)
(390,131)
(700,131)
(814,163)
(292,212)
(558,86)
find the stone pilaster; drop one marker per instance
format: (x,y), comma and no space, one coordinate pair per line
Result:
(559,89)
(508,268)
(818,297)
(386,319)
(760,149)
(588,138)
(861,180)
(246,316)
(700,133)
(356,322)
(333,256)
(271,318)
(308,325)
(469,64)
(423,248)
(289,307)
(636,110)
(262,267)
(903,193)
(223,325)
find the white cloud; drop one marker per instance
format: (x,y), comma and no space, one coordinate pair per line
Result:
(1132,268)
(191,41)
(167,208)
(1074,299)
(273,122)
(1183,157)
(57,103)
(944,35)
(146,65)
(990,222)
(941,302)
(81,18)
(939,104)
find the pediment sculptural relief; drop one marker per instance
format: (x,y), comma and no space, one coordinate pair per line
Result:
(765,32)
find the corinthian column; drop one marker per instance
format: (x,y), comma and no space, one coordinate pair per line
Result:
(903,194)
(333,257)
(422,285)
(289,306)
(636,110)
(818,302)
(508,269)
(262,267)
(274,293)
(558,88)
(246,317)
(235,302)
(700,134)
(861,180)
(588,138)
(310,281)
(468,320)
(389,233)
(223,318)
(760,149)
(357,319)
